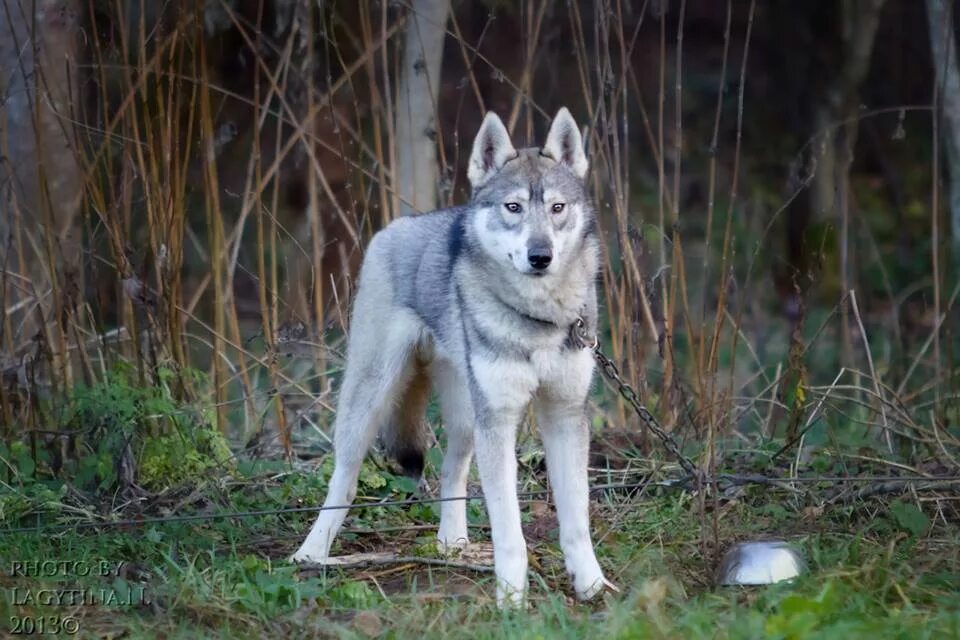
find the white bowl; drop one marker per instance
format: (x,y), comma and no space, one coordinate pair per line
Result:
(760,562)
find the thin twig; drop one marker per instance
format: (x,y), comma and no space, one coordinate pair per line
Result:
(388,558)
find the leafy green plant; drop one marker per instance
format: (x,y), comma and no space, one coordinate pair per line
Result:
(181,457)
(909,518)
(114,426)
(266,590)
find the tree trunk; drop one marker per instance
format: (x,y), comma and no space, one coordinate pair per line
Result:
(41,182)
(943,46)
(837,124)
(416,176)
(860,19)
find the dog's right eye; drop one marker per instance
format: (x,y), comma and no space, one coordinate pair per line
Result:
(513,207)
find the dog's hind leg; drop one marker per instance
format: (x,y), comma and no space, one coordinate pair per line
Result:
(378,371)
(458,423)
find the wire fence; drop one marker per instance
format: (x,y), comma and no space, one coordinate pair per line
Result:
(881,484)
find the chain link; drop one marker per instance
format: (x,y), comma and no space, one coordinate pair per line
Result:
(578,333)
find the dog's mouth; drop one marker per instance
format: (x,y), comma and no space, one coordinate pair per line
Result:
(528,270)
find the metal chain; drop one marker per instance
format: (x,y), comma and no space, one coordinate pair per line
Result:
(578,332)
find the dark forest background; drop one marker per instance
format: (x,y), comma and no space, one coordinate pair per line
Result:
(188,189)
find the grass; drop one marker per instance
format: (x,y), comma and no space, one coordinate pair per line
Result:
(885,569)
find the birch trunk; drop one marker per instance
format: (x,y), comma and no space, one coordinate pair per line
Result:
(416,172)
(41,181)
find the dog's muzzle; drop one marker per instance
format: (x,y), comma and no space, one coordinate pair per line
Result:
(540,256)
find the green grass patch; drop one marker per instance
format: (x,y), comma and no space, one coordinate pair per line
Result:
(878,569)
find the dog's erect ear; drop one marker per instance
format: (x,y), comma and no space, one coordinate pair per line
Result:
(564,143)
(491,150)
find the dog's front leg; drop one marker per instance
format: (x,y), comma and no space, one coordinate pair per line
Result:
(566,439)
(497,463)
(501,390)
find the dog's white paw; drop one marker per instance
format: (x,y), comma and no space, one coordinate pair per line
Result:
(587,576)
(309,554)
(510,598)
(452,544)
(589,588)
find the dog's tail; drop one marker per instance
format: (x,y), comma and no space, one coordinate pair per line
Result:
(406,435)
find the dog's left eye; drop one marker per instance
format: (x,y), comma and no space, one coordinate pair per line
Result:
(558,207)
(513,207)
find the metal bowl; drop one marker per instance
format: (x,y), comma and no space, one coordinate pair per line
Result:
(760,562)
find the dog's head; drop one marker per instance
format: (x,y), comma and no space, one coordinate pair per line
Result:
(534,206)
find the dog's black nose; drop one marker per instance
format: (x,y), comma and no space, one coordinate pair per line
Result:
(539,257)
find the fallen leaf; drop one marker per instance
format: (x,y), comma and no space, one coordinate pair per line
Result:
(368,623)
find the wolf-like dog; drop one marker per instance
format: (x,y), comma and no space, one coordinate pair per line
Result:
(477,302)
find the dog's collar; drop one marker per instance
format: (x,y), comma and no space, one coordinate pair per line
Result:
(525,315)
(531,318)
(578,334)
